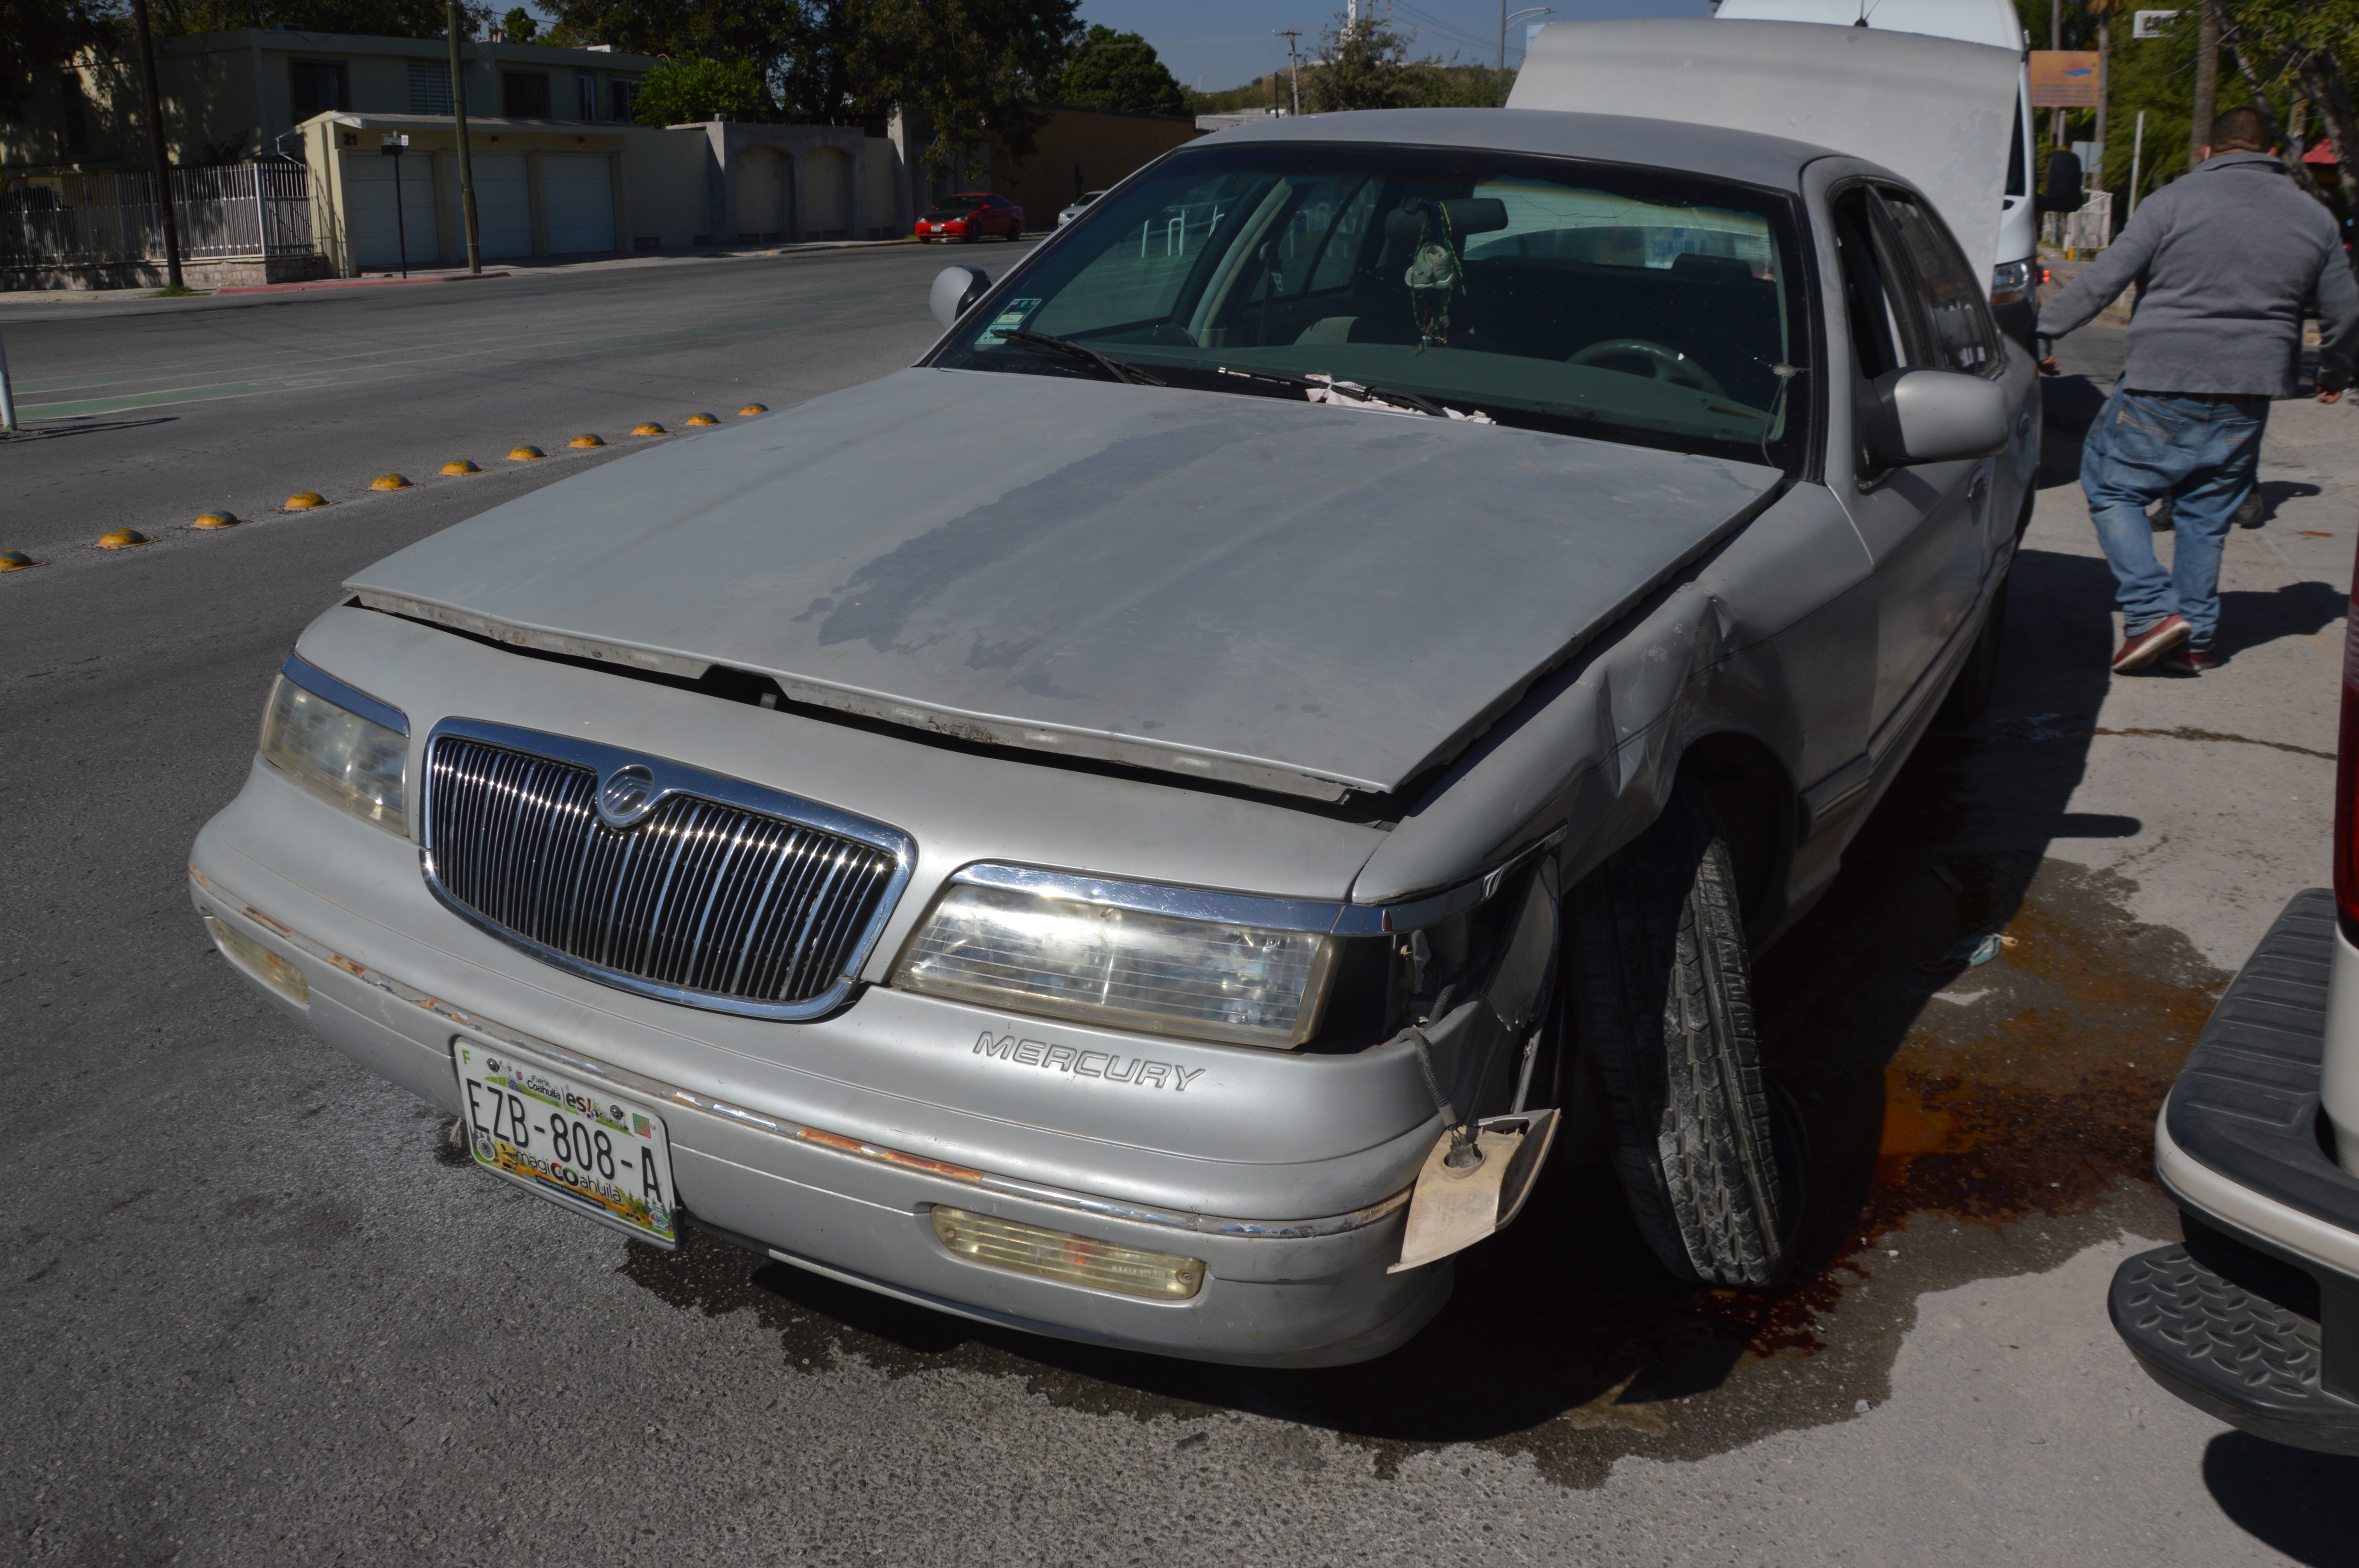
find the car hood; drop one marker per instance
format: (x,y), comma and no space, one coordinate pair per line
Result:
(1307,599)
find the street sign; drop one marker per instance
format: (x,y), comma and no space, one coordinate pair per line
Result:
(394,145)
(2063,78)
(2151,24)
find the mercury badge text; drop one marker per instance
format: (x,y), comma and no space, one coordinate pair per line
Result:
(1103,1065)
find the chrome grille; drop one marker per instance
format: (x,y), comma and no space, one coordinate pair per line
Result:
(704,900)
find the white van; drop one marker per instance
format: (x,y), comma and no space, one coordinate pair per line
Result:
(1991,22)
(1952,115)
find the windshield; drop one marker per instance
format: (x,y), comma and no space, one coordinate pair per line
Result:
(1583,298)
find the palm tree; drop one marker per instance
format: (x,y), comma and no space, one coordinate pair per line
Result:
(2102,12)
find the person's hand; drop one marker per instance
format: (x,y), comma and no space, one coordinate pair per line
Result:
(2049,367)
(2326,396)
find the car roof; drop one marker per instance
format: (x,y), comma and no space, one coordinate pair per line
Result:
(1746,156)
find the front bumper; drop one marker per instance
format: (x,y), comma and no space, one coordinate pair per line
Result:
(2256,1317)
(815,1166)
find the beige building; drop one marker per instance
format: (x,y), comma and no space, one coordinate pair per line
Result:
(241,94)
(545,189)
(1079,150)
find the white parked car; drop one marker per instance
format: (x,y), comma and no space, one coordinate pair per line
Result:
(1081,204)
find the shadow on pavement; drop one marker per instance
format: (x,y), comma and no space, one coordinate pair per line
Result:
(2303,1504)
(49,430)
(2248,619)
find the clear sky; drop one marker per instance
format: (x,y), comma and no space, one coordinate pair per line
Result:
(1214,44)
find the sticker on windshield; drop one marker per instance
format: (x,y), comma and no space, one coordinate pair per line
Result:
(1010,319)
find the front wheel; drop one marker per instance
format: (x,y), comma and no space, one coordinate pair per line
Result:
(1709,1153)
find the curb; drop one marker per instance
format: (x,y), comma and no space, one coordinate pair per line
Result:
(355,283)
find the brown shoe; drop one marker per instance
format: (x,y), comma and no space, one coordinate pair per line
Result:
(2142,648)
(2188,661)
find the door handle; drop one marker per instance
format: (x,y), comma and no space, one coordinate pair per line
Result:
(1977,488)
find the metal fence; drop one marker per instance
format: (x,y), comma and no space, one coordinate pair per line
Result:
(2090,229)
(241,211)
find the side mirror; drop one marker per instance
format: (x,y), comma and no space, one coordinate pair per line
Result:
(956,288)
(2063,193)
(1935,417)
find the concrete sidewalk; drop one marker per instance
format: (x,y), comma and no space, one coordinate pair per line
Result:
(552,267)
(2227,776)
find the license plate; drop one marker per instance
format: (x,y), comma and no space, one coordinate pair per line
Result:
(574,1140)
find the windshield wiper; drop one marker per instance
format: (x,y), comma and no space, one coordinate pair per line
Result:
(1114,368)
(1352,392)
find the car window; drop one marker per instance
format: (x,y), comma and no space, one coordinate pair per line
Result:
(1958,331)
(1614,301)
(1878,341)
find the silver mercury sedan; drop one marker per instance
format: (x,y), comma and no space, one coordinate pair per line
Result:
(1450,584)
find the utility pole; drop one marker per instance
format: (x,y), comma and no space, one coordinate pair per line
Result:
(466,161)
(2207,79)
(1293,67)
(2137,156)
(156,150)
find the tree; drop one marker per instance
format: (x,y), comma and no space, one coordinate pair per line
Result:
(1368,67)
(1119,71)
(972,68)
(377,19)
(37,38)
(755,31)
(518,26)
(694,87)
(2306,49)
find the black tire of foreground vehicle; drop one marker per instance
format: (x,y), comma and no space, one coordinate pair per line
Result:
(1710,1154)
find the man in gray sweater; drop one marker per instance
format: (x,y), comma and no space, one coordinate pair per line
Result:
(2226,260)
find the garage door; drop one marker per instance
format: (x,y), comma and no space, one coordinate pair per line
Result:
(503,205)
(580,189)
(377,239)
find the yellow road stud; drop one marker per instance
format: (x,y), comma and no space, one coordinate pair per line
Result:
(121,539)
(526,454)
(649,429)
(215,520)
(460,466)
(585,442)
(752,408)
(304,500)
(702,420)
(14,561)
(388,482)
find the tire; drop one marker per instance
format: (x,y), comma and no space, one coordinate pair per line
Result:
(1971,693)
(1710,1154)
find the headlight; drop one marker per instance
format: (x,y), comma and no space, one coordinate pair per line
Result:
(353,759)
(1123,968)
(2010,282)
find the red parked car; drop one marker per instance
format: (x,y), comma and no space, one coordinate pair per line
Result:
(969,216)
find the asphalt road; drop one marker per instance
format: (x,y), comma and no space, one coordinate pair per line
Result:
(250,1315)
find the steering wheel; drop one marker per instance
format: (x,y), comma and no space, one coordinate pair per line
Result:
(1662,364)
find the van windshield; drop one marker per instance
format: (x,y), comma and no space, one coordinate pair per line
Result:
(1594,299)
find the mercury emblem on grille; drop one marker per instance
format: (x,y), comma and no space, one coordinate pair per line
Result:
(627,794)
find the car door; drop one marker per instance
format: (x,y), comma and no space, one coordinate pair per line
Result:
(1922,524)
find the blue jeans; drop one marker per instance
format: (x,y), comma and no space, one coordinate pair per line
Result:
(2200,451)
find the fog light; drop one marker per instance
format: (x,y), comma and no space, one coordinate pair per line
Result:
(260,962)
(1075,1259)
